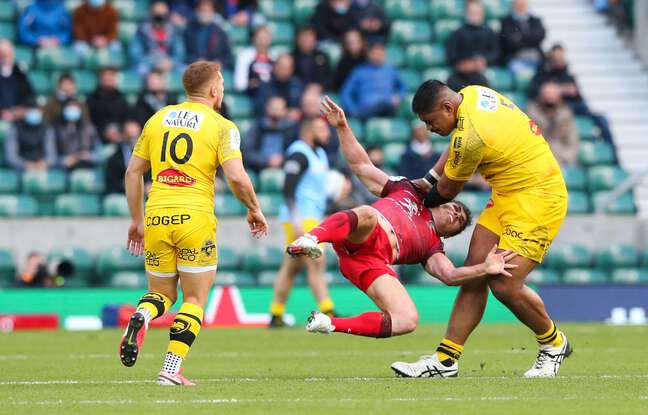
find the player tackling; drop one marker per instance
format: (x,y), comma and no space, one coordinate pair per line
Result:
(397,229)
(183,145)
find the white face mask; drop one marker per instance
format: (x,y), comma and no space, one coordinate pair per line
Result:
(72,113)
(421,148)
(96,3)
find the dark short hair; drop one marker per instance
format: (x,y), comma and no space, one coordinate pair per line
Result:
(468,221)
(427,96)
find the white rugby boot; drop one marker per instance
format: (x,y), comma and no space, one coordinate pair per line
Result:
(305,245)
(549,359)
(426,367)
(319,323)
(167,379)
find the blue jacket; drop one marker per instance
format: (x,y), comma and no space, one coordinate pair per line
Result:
(45,18)
(369,85)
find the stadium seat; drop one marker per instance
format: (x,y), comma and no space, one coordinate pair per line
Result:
(578,203)
(617,256)
(282,49)
(271,180)
(99,58)
(44,182)
(331,258)
(244,125)
(393,153)
(423,56)
(457,256)
(523,79)
(8,181)
(404,109)
(18,205)
(228,205)
(174,82)
(128,279)
(395,55)
(575,177)
(228,259)
(126,31)
(7,11)
(276,9)
(496,9)
(443,9)
(266,278)
(263,258)
(441,74)
(476,201)
(587,130)
(591,154)
(238,105)
(40,81)
(57,59)
(382,130)
(283,33)
(443,29)
(234,278)
(630,276)
(24,56)
(270,203)
(333,51)
(115,204)
(410,31)
(80,258)
(358,128)
(228,79)
(543,276)
(129,82)
(116,258)
(605,177)
(86,81)
(7,268)
(569,256)
(303,10)
(7,31)
(86,181)
(133,10)
(238,36)
(624,205)
(406,9)
(71,204)
(411,78)
(584,276)
(500,79)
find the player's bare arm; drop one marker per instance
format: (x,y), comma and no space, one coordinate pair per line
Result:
(370,175)
(241,186)
(496,263)
(134,185)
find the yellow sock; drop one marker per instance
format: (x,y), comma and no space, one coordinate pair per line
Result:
(153,305)
(326,306)
(185,329)
(552,337)
(277,309)
(449,350)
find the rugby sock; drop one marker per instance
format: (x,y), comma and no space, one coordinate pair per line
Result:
(183,332)
(369,324)
(336,227)
(277,309)
(449,350)
(152,305)
(552,337)
(326,306)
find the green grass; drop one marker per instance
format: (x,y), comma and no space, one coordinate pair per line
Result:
(292,372)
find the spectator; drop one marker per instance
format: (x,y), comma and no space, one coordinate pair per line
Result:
(181,11)
(95,26)
(283,83)
(117,162)
(240,12)
(65,91)
(15,88)
(76,138)
(419,156)
(377,156)
(45,23)
(269,137)
(373,89)
(157,43)
(108,106)
(467,72)
(310,108)
(254,64)
(311,64)
(353,54)
(521,39)
(556,121)
(332,19)
(30,144)
(371,19)
(153,97)
(204,38)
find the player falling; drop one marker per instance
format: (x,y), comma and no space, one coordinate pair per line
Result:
(397,229)
(183,145)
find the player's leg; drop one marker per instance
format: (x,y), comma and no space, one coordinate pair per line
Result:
(283,284)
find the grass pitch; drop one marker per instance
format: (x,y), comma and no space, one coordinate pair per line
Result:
(258,371)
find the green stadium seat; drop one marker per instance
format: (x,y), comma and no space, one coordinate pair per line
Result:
(617,256)
(133,10)
(7,31)
(358,128)
(238,35)
(423,56)
(238,105)
(578,203)
(496,9)
(99,58)
(71,204)
(128,279)
(234,278)
(443,9)
(411,78)
(115,259)
(115,204)
(266,278)
(630,276)
(174,82)
(410,31)
(441,74)
(406,9)
(523,79)
(395,55)
(56,59)
(578,276)
(86,181)
(271,180)
(591,154)
(7,12)
(283,33)
(129,82)
(244,125)
(382,130)
(276,9)
(81,259)
(263,258)
(518,98)
(44,182)
(500,79)
(605,177)
(575,177)
(228,259)
(228,79)
(8,181)
(624,205)
(303,10)
(227,205)
(587,130)
(282,49)
(393,153)
(270,203)
(40,81)
(404,109)
(457,256)
(333,51)
(543,276)
(86,81)
(18,205)
(476,201)
(254,178)
(569,256)
(7,268)
(24,56)
(126,31)
(443,28)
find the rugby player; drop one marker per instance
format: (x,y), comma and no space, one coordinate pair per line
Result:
(183,145)
(397,229)
(527,207)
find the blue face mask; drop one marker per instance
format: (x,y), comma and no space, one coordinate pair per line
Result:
(72,113)
(33,116)
(96,3)
(340,9)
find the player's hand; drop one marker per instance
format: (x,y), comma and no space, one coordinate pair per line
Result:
(135,243)
(497,262)
(257,223)
(334,114)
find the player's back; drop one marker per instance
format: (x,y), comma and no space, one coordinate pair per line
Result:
(185,144)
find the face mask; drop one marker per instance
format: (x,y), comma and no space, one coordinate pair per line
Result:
(159,18)
(205,18)
(96,3)
(340,9)
(421,148)
(72,113)
(33,117)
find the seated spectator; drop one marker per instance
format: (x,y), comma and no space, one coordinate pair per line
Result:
(30,144)
(205,39)
(521,38)
(76,138)
(116,164)
(65,91)
(332,19)
(95,26)
(254,64)
(15,89)
(108,106)
(283,83)
(153,97)
(45,23)
(311,64)
(310,108)
(181,11)
(419,156)
(240,12)
(556,121)
(267,140)
(157,43)
(353,54)
(373,89)
(371,19)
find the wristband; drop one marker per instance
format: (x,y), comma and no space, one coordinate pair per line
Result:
(432,177)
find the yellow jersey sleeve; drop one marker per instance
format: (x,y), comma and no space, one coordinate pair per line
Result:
(141,148)
(229,143)
(465,152)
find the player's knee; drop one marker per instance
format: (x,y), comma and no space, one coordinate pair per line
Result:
(406,321)
(503,292)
